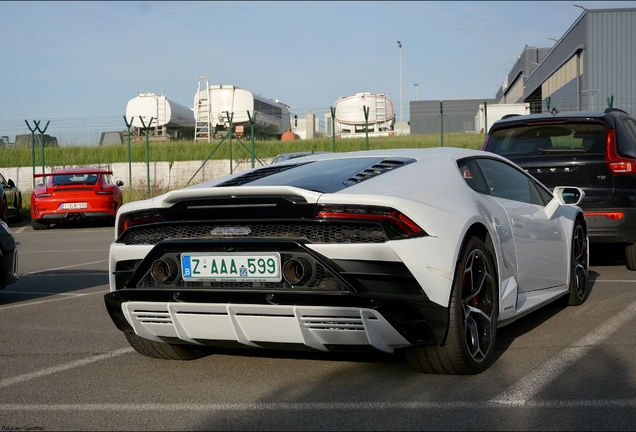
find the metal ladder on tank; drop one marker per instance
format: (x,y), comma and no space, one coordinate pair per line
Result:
(161,116)
(380,111)
(203,127)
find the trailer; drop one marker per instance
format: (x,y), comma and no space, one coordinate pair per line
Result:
(170,119)
(216,105)
(27,140)
(350,117)
(496,112)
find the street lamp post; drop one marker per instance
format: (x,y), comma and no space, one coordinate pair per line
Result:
(401,119)
(416,87)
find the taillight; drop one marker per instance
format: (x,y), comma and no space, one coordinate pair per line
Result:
(616,163)
(44,195)
(370,213)
(485,145)
(609,215)
(127,220)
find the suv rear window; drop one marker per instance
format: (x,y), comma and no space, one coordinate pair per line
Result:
(543,139)
(630,127)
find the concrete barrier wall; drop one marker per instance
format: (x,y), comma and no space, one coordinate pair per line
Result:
(159,174)
(163,175)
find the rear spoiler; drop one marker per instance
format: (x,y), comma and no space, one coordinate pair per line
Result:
(88,171)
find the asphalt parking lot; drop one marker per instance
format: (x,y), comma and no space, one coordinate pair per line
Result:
(64,365)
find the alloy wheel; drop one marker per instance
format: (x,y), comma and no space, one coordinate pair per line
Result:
(478,306)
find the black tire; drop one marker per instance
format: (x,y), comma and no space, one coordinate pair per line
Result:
(579,269)
(39,225)
(630,256)
(473,312)
(18,214)
(164,351)
(3,211)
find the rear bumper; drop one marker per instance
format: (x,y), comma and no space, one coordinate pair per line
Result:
(316,327)
(349,284)
(73,216)
(316,322)
(602,229)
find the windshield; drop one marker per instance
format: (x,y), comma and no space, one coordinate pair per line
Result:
(570,138)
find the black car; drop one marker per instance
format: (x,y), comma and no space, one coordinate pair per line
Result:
(595,151)
(11,201)
(8,257)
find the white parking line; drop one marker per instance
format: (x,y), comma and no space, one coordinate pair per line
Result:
(64,251)
(613,280)
(58,297)
(66,267)
(60,368)
(531,384)
(44,293)
(43,273)
(318,406)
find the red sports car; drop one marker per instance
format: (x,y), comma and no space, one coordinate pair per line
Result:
(74,194)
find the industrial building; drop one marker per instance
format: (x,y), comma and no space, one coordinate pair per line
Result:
(454,116)
(590,67)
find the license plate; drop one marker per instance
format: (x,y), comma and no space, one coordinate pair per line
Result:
(236,267)
(72,206)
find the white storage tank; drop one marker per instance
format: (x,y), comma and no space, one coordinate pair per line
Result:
(350,114)
(164,111)
(216,101)
(349,110)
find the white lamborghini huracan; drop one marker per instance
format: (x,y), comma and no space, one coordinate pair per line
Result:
(427,251)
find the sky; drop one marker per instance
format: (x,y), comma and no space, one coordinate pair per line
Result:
(86,59)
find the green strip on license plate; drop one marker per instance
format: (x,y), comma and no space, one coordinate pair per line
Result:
(235,267)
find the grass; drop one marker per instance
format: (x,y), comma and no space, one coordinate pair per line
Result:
(189,150)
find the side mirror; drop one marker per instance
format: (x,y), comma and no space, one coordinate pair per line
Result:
(11,183)
(568,195)
(564,195)
(119,183)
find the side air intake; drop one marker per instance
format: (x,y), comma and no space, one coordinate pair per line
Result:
(377,169)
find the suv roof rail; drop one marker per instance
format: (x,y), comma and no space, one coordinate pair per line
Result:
(510,115)
(609,110)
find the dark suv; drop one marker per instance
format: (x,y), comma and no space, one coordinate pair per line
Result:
(595,151)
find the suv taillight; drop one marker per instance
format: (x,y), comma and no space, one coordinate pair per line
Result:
(616,163)
(485,145)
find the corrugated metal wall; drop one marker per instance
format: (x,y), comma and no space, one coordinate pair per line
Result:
(571,43)
(459,115)
(611,57)
(606,41)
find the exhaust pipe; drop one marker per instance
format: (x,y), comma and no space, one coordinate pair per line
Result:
(298,271)
(164,270)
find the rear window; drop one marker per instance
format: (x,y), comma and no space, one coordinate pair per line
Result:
(533,140)
(73,179)
(327,176)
